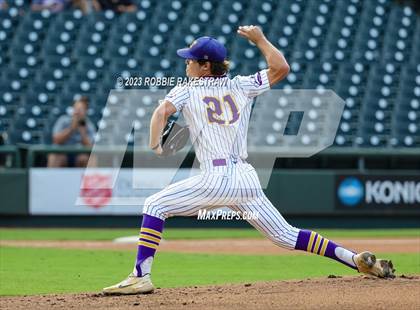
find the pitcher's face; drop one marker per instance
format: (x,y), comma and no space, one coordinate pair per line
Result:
(195,69)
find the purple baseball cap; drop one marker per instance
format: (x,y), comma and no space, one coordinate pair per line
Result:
(204,48)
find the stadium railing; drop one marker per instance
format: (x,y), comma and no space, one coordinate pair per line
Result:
(331,158)
(10,156)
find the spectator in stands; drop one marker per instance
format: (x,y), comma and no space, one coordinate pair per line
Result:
(3,5)
(73,130)
(118,6)
(51,5)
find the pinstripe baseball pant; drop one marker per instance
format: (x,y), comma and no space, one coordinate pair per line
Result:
(234,185)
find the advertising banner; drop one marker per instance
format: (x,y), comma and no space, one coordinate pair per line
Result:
(380,192)
(65,191)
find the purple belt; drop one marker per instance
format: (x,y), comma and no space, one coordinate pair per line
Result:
(219,162)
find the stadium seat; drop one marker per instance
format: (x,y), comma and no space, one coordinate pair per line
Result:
(366,51)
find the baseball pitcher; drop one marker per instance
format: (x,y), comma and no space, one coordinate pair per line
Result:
(217,112)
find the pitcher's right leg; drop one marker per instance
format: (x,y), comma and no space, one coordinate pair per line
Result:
(272,224)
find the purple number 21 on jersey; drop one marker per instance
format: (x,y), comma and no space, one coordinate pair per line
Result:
(214,110)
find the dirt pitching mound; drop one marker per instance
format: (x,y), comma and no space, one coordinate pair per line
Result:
(327,293)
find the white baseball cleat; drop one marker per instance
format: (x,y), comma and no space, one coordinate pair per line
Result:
(131,285)
(367,263)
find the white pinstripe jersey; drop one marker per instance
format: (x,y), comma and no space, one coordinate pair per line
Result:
(218,114)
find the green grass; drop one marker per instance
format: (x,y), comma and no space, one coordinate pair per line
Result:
(41,271)
(174,233)
(25,271)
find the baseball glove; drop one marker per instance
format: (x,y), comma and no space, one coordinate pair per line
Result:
(174,138)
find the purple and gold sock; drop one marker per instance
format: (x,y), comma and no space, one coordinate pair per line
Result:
(311,241)
(150,236)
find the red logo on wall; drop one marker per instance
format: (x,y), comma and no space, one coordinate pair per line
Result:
(96,190)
